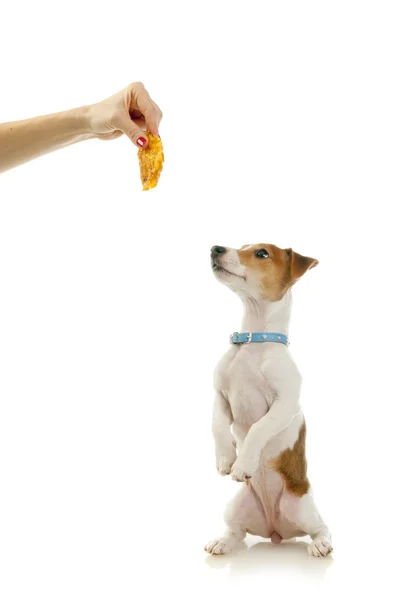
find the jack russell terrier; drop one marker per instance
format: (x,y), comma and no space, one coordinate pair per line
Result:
(258,392)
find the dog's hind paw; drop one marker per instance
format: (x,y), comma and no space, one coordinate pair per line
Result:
(321,546)
(219,546)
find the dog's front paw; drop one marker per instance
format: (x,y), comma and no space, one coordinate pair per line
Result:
(321,546)
(224,465)
(243,469)
(225,461)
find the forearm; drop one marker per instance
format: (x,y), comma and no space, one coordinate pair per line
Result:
(221,424)
(279,417)
(223,438)
(22,141)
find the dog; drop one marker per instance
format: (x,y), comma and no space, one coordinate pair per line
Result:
(257,388)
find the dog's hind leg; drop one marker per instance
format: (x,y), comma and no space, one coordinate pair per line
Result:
(244,514)
(302,512)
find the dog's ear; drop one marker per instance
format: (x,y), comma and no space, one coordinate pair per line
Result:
(299,264)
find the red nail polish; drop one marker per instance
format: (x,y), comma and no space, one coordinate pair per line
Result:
(141,141)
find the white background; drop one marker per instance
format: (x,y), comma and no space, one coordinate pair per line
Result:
(280,125)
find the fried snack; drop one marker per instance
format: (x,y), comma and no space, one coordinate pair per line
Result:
(151,161)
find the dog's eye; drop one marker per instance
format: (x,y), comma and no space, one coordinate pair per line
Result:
(262,253)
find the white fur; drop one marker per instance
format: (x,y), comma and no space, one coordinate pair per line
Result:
(258,394)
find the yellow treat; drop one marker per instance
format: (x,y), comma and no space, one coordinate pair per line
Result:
(151,161)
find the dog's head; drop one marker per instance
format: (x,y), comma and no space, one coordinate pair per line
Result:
(259,270)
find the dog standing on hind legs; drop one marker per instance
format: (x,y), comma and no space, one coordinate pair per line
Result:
(257,393)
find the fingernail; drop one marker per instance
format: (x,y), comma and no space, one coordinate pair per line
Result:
(141,141)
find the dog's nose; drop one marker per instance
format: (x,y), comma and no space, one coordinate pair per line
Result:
(217,250)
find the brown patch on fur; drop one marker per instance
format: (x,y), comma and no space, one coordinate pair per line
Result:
(292,465)
(277,273)
(300,264)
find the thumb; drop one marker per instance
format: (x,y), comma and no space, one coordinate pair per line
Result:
(135,133)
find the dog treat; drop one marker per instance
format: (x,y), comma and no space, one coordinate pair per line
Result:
(151,161)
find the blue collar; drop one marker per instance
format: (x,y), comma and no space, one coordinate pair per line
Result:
(264,336)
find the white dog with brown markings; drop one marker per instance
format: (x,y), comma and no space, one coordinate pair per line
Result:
(258,392)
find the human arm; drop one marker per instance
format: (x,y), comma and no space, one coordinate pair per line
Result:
(131,112)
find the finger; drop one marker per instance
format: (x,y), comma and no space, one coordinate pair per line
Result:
(149,109)
(159,113)
(132,130)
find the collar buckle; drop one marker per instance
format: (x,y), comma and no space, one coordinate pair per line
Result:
(249,337)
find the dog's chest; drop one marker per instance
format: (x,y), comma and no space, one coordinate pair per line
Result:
(244,384)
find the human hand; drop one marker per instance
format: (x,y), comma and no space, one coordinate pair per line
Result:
(131,112)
